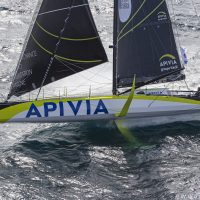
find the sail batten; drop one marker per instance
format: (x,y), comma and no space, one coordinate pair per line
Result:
(63,31)
(62,9)
(145,43)
(64,58)
(65,38)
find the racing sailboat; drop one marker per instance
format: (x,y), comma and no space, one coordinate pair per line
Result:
(63,33)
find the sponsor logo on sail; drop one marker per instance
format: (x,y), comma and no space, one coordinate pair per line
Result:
(162,16)
(24,74)
(168,62)
(125,7)
(29,55)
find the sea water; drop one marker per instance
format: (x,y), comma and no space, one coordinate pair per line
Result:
(94,160)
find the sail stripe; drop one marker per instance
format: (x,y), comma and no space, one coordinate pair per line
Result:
(63,58)
(137,11)
(67,8)
(149,15)
(64,38)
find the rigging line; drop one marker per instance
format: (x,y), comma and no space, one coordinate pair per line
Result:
(83,77)
(87,90)
(64,38)
(56,48)
(95,90)
(89,79)
(89,71)
(131,18)
(163,91)
(61,57)
(72,86)
(83,69)
(67,8)
(137,25)
(187,85)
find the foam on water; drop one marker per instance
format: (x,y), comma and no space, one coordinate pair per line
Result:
(94,160)
(89,161)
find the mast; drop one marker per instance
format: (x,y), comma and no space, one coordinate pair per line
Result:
(115,48)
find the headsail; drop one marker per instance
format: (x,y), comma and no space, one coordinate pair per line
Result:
(64,36)
(145,43)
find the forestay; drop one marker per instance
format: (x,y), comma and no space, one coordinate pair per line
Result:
(145,43)
(63,41)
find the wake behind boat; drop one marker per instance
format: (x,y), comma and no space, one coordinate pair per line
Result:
(64,40)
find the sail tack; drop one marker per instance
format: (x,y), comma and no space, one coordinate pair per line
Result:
(64,41)
(145,44)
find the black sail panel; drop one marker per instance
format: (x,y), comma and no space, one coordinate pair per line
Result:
(64,41)
(145,43)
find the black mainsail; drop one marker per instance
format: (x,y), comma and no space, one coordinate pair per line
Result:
(144,44)
(63,41)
